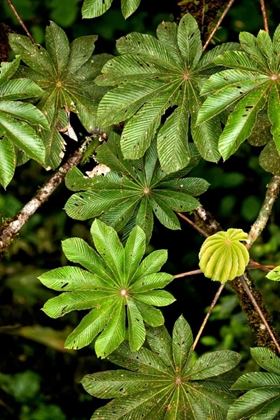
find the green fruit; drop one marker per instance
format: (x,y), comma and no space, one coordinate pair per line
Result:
(223,257)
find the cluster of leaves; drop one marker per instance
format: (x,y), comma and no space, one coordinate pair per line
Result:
(17,122)
(262,401)
(163,382)
(156,76)
(133,191)
(251,84)
(118,286)
(65,74)
(157,88)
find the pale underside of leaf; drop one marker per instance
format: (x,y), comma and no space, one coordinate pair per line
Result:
(172,140)
(88,204)
(145,218)
(234,77)
(254,403)
(119,215)
(7,161)
(121,103)
(140,129)
(90,326)
(205,135)
(128,7)
(241,120)
(94,8)
(238,60)
(189,40)
(249,44)
(227,96)
(164,214)
(265,45)
(148,45)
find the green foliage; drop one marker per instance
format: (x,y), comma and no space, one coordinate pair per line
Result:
(155,77)
(222,256)
(122,290)
(133,191)
(262,401)
(251,84)
(65,72)
(22,386)
(18,121)
(170,100)
(94,8)
(162,381)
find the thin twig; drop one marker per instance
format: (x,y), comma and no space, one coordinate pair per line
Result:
(265,23)
(188,273)
(265,211)
(10,230)
(216,297)
(203,13)
(218,24)
(20,21)
(254,302)
(255,265)
(192,224)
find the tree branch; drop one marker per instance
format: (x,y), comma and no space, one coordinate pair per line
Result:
(216,297)
(9,230)
(20,21)
(265,325)
(265,211)
(265,23)
(228,6)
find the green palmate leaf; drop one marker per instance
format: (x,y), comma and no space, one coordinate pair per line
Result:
(153,77)
(222,256)
(119,289)
(161,383)
(65,74)
(251,82)
(262,401)
(134,191)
